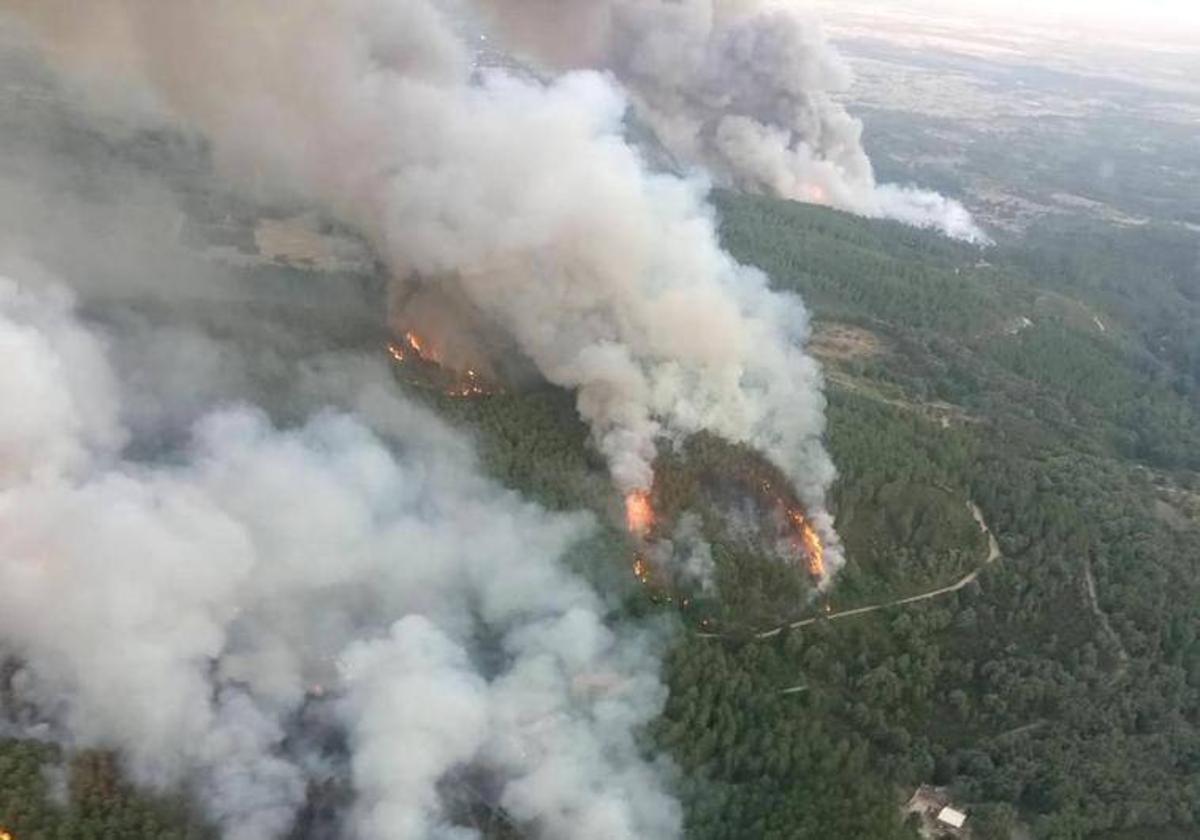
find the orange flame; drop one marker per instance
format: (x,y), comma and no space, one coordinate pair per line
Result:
(641,571)
(815,550)
(4,835)
(639,512)
(415,343)
(810,541)
(413,346)
(804,537)
(466,383)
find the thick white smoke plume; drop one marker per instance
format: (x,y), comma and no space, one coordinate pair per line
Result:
(743,88)
(183,610)
(521,195)
(219,582)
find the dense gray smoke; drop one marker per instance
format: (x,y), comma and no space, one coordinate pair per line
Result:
(227,569)
(183,611)
(521,195)
(743,88)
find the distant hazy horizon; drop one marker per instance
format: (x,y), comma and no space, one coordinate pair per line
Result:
(1152,15)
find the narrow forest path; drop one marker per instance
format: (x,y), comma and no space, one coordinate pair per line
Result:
(993,546)
(1089,586)
(993,555)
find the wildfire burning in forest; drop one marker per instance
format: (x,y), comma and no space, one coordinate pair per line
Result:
(412,348)
(801,534)
(461,384)
(639,513)
(808,541)
(4,835)
(798,532)
(639,519)
(641,571)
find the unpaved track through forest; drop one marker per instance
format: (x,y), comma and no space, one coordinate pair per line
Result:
(992,556)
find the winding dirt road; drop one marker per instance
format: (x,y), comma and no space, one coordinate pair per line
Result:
(992,556)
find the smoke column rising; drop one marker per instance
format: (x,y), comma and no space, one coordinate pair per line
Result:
(522,196)
(362,549)
(742,88)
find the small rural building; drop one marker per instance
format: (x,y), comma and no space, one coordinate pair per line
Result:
(937,817)
(951,818)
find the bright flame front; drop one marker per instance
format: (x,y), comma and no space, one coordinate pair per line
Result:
(810,542)
(453,383)
(411,348)
(815,550)
(639,513)
(416,344)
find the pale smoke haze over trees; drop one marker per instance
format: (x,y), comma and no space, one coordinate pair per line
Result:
(221,588)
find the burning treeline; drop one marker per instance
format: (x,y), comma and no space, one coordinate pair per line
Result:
(797,539)
(425,368)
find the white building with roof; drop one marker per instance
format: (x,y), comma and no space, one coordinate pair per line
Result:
(951,817)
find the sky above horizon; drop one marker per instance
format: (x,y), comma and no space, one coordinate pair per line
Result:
(1150,14)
